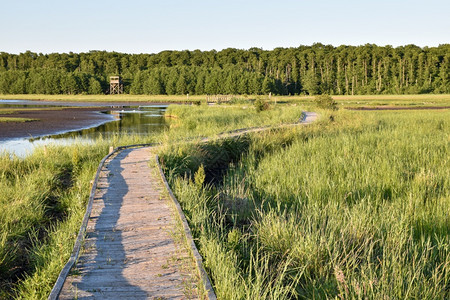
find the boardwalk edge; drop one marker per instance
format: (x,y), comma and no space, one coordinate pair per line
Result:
(187,231)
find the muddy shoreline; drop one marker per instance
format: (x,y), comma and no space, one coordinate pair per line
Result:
(50,120)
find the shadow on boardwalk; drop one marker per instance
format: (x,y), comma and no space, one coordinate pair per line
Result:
(104,258)
(129,250)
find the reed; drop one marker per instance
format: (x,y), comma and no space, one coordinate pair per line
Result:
(206,121)
(356,206)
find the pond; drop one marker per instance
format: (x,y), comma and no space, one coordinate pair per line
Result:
(132,119)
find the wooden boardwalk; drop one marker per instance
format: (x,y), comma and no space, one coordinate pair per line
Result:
(130,249)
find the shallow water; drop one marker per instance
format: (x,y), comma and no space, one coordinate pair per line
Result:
(135,120)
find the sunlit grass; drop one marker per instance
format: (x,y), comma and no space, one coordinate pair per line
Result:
(357,207)
(17,120)
(42,202)
(106,98)
(343,100)
(413,101)
(205,121)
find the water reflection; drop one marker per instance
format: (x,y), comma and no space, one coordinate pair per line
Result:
(135,121)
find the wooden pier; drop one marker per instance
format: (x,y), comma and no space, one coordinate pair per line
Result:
(219,98)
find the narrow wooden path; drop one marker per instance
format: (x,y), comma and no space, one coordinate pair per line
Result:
(130,251)
(131,247)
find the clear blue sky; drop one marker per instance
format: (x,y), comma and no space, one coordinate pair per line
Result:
(138,26)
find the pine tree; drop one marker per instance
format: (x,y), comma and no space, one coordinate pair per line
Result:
(95,87)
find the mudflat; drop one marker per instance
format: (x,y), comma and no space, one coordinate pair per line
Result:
(50,121)
(53,120)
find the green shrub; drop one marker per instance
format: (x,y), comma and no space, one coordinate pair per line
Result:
(199,177)
(326,102)
(261,105)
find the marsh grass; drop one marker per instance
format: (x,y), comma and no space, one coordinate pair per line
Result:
(347,100)
(42,202)
(373,100)
(206,121)
(106,98)
(19,120)
(356,206)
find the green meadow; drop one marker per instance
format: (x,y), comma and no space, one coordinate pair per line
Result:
(356,205)
(343,100)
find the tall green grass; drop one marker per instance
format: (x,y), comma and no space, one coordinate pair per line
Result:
(206,121)
(354,207)
(42,200)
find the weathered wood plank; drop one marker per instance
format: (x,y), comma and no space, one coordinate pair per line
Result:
(129,250)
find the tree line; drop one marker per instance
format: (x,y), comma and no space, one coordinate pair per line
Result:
(316,69)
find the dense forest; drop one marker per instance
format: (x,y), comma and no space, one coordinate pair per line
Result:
(316,69)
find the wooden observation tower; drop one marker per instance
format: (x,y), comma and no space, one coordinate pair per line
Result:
(115,85)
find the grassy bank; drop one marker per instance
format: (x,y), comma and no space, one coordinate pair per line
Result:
(394,100)
(357,100)
(19,120)
(356,206)
(105,98)
(415,101)
(42,202)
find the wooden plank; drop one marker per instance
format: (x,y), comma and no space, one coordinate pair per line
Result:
(129,249)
